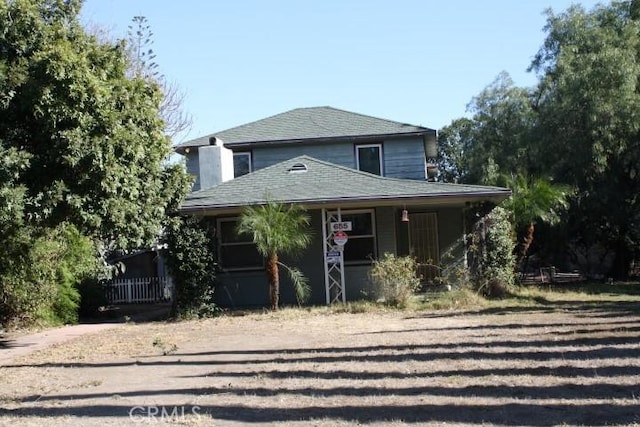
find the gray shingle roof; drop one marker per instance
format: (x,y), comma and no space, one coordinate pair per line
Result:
(325,182)
(316,123)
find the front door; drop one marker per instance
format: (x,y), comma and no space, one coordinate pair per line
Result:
(423,244)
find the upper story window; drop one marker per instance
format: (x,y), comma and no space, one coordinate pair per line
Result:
(369,158)
(236,251)
(241,164)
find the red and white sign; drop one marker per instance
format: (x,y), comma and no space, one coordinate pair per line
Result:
(340,238)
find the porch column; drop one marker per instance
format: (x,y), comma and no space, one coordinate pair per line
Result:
(333,260)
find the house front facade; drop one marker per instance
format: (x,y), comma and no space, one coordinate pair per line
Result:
(367,175)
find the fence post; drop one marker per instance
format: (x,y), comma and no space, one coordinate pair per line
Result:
(128,285)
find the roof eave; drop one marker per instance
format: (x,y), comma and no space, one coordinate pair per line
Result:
(415,199)
(181,149)
(340,138)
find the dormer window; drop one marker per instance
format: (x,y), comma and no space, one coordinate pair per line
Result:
(369,158)
(298,168)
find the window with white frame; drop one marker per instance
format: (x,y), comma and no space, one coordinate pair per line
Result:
(236,251)
(369,158)
(241,164)
(361,246)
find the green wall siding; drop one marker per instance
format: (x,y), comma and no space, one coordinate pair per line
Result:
(402,157)
(450,235)
(337,153)
(386,230)
(250,288)
(242,289)
(357,284)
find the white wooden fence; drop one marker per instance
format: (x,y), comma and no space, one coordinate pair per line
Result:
(140,290)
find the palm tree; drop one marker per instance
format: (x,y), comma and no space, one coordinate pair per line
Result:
(533,200)
(276,229)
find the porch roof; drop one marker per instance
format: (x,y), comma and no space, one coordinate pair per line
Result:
(315,183)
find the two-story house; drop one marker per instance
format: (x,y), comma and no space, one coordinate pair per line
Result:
(367,174)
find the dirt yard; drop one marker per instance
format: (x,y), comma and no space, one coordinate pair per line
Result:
(568,363)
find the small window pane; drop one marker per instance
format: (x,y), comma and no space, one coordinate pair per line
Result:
(240,256)
(369,159)
(228,233)
(236,251)
(361,224)
(241,164)
(360,249)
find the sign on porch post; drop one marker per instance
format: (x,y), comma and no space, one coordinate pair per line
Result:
(333,232)
(340,238)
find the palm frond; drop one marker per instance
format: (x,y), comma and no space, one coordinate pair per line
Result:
(536,199)
(276,228)
(300,283)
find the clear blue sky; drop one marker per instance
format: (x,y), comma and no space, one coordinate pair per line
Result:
(414,61)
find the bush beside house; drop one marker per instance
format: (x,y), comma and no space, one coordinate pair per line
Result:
(191,258)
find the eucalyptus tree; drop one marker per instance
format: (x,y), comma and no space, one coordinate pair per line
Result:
(497,139)
(589,120)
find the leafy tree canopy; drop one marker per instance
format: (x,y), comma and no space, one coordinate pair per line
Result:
(80,141)
(496,139)
(580,126)
(589,118)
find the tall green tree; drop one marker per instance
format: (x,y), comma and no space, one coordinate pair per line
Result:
(89,139)
(589,118)
(455,142)
(278,229)
(83,157)
(579,126)
(496,140)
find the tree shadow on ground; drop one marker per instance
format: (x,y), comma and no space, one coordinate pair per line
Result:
(585,395)
(602,309)
(511,414)
(510,326)
(10,343)
(534,350)
(568,392)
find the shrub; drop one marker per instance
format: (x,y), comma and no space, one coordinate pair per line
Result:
(78,263)
(492,253)
(40,273)
(191,259)
(395,279)
(27,276)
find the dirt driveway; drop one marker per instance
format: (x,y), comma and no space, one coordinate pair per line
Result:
(566,364)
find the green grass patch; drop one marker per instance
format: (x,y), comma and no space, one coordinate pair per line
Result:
(457,299)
